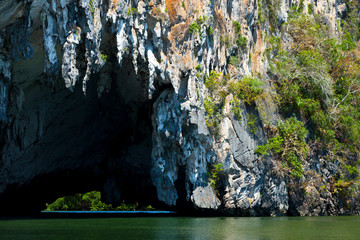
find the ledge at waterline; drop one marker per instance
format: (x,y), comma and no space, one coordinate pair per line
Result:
(108,213)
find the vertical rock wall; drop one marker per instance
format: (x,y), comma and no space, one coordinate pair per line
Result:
(143,53)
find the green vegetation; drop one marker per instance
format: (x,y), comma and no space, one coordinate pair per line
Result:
(132,11)
(210,31)
(104,57)
(273,46)
(212,82)
(225,40)
(236,108)
(260,12)
(90,201)
(91,6)
(240,40)
(214,115)
(318,81)
(252,122)
(199,74)
(183,4)
(268,11)
(310,8)
(247,89)
(215,102)
(234,61)
(288,145)
(214,177)
(317,78)
(210,35)
(195,27)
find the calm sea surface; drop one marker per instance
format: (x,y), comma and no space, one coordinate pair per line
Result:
(183,228)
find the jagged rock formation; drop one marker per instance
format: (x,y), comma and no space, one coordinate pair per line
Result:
(111,91)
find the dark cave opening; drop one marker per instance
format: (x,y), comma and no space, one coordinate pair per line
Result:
(91,143)
(184,206)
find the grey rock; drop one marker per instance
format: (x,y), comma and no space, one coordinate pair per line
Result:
(147,100)
(203,198)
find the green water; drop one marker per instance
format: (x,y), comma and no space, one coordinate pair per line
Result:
(183,228)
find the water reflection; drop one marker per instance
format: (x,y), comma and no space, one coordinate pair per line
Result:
(183,228)
(255,228)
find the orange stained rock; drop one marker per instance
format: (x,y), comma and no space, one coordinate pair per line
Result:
(178,31)
(172,7)
(113,4)
(256,58)
(220,21)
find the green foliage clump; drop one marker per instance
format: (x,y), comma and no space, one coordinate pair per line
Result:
(104,57)
(210,31)
(214,177)
(240,40)
(234,61)
(317,78)
(236,108)
(274,144)
(132,11)
(260,12)
(213,115)
(212,82)
(209,107)
(310,8)
(347,42)
(91,6)
(195,27)
(183,4)
(348,191)
(199,73)
(351,23)
(87,201)
(210,34)
(214,104)
(288,145)
(303,75)
(201,20)
(351,172)
(225,40)
(267,10)
(252,122)
(247,89)
(274,46)
(90,201)
(127,207)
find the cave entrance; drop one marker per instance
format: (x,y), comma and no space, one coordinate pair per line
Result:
(88,143)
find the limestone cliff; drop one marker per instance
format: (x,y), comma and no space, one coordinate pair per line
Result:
(111,93)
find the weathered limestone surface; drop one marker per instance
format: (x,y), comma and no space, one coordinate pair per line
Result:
(110,87)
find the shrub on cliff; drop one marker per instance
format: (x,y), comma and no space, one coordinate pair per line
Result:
(317,78)
(247,89)
(214,178)
(289,145)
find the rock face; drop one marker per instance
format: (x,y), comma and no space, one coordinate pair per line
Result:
(110,95)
